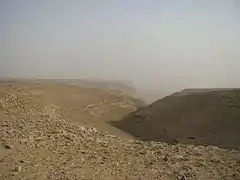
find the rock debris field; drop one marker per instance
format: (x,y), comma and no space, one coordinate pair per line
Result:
(38,143)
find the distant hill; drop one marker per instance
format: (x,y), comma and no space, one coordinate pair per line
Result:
(110,85)
(119,86)
(192,116)
(202,90)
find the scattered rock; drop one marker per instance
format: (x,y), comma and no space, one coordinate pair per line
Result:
(17,170)
(111,136)
(8,146)
(183,178)
(92,130)
(165,158)
(52,148)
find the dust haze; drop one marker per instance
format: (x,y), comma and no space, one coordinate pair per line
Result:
(159,46)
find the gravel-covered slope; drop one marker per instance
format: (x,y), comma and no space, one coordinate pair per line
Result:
(37,143)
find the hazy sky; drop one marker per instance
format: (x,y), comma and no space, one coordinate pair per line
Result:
(155,43)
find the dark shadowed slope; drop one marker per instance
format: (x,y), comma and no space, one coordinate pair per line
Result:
(193,117)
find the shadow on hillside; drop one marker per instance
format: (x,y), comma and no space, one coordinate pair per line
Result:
(208,119)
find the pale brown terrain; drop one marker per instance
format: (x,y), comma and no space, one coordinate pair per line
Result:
(56,131)
(88,106)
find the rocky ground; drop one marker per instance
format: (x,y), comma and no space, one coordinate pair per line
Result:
(38,143)
(90,107)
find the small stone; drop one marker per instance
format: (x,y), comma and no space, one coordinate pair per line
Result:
(94,130)
(111,136)
(8,146)
(191,137)
(165,158)
(17,170)
(183,178)
(101,162)
(82,129)
(83,160)
(4,125)
(150,163)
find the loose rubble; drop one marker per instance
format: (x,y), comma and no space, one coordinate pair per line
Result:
(37,143)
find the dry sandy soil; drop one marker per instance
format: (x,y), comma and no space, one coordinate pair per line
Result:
(48,132)
(91,107)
